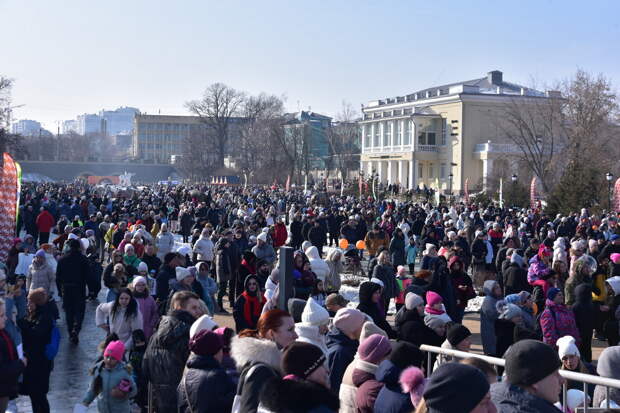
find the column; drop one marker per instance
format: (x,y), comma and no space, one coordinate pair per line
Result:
(380,170)
(369,167)
(390,171)
(412,166)
(372,135)
(487,169)
(392,130)
(400,172)
(364,135)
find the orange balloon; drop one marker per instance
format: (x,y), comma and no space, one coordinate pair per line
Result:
(343,243)
(360,245)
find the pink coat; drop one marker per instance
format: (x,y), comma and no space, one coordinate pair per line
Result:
(558,321)
(150,315)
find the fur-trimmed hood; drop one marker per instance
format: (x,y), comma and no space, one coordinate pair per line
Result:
(246,350)
(284,396)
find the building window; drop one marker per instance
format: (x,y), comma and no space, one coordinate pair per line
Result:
(427,135)
(386,134)
(367,135)
(444,128)
(431,171)
(442,171)
(407,132)
(420,171)
(377,130)
(397,133)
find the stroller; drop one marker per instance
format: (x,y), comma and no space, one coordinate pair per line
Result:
(353,262)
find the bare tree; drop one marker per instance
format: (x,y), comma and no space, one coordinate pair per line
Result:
(218,105)
(261,114)
(342,138)
(535,125)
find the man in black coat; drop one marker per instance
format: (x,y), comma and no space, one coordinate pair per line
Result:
(167,273)
(72,273)
(168,350)
(317,236)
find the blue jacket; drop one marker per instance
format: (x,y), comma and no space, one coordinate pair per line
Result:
(412,252)
(109,380)
(513,399)
(340,353)
(391,398)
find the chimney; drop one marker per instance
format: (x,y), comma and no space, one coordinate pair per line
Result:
(495,77)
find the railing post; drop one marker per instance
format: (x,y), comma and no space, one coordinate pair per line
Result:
(429,363)
(564,396)
(285,286)
(585,397)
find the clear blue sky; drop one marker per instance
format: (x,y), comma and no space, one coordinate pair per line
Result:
(69,57)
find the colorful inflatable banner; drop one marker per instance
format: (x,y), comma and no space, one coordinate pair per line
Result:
(9,187)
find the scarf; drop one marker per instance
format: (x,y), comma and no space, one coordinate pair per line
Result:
(253,307)
(9,345)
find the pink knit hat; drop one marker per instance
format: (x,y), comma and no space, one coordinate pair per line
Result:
(349,320)
(115,349)
(432,298)
(615,258)
(412,381)
(374,348)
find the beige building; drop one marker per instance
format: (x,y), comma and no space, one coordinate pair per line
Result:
(158,137)
(441,136)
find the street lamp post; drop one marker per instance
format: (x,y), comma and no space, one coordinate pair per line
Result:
(450,188)
(609,176)
(514,179)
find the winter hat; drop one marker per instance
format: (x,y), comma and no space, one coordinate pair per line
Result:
(377,281)
(544,251)
(592,243)
(412,301)
(412,381)
(204,322)
(262,237)
(368,329)
(516,259)
(552,293)
(608,362)
(374,349)
(115,349)
(300,359)
(578,244)
(182,273)
(296,306)
(38,296)
(574,399)
(406,354)
(349,320)
(184,250)
(314,313)
(513,299)
(457,333)
(524,296)
(128,247)
(40,253)
(138,279)
(432,298)
(205,343)
(529,361)
(614,283)
(71,236)
(455,387)
(615,258)
(567,347)
(507,311)
(143,267)
(85,243)
(305,245)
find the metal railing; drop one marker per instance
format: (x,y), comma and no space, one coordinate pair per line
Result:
(586,379)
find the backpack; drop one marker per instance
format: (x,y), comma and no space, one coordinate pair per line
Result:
(51,349)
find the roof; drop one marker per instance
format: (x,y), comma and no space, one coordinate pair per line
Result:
(493,83)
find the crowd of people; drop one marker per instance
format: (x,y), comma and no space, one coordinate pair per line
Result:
(171,258)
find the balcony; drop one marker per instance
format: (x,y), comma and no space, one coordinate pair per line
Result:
(499,148)
(427,148)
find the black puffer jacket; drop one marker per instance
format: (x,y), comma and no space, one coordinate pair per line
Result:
(298,396)
(367,306)
(165,358)
(207,385)
(10,366)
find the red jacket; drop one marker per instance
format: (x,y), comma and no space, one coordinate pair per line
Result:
(45,221)
(280,235)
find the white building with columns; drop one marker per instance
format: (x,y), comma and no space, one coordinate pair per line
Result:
(442,136)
